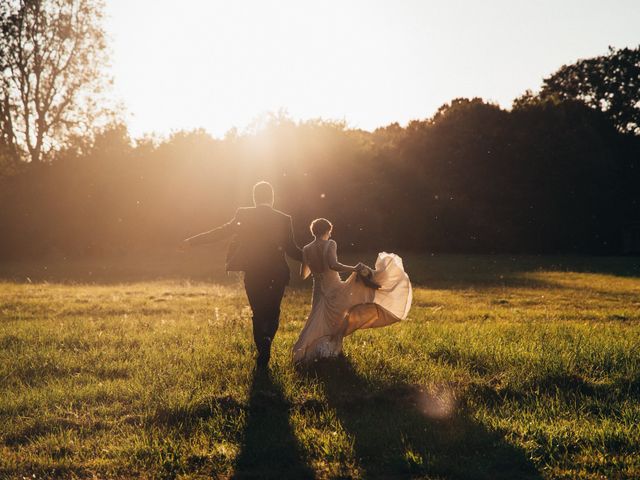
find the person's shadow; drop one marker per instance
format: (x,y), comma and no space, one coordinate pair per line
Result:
(401,431)
(269,448)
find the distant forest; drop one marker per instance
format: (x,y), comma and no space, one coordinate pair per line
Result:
(557,173)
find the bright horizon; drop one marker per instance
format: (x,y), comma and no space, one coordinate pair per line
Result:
(219,65)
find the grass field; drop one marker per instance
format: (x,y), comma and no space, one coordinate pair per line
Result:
(508,367)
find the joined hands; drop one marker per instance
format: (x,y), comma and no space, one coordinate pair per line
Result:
(363,270)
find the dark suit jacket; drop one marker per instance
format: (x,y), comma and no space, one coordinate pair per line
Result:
(261,237)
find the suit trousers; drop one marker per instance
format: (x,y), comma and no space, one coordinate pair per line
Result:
(264,292)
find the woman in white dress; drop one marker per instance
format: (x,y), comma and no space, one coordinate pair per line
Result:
(341,307)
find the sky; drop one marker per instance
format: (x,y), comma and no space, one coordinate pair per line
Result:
(222,64)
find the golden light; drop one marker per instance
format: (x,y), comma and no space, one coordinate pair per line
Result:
(221,64)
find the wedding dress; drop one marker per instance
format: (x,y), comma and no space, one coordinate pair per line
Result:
(339,308)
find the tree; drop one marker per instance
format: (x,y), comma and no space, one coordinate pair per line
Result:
(52,54)
(609,82)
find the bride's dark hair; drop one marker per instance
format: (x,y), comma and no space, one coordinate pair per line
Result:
(320,226)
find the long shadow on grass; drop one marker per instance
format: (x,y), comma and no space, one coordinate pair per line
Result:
(400,430)
(269,448)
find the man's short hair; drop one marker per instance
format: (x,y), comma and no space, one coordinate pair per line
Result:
(262,193)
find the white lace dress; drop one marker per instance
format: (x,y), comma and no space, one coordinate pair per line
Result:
(341,307)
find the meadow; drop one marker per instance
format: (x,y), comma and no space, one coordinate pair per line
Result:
(507,367)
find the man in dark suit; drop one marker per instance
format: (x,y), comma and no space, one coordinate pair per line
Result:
(261,237)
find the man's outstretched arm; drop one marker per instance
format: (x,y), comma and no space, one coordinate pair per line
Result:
(291,246)
(219,233)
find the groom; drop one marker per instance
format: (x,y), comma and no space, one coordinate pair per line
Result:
(261,236)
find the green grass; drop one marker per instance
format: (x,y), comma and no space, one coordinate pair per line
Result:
(508,367)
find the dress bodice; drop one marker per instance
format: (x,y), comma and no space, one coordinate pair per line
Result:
(319,256)
(314,255)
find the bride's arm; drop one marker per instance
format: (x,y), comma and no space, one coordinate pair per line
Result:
(332,259)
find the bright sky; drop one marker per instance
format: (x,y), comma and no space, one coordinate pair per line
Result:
(221,64)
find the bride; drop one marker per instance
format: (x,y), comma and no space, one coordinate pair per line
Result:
(366,299)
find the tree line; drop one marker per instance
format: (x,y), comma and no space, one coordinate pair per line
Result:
(558,172)
(547,176)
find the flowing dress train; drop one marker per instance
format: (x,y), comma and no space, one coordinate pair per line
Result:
(339,308)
